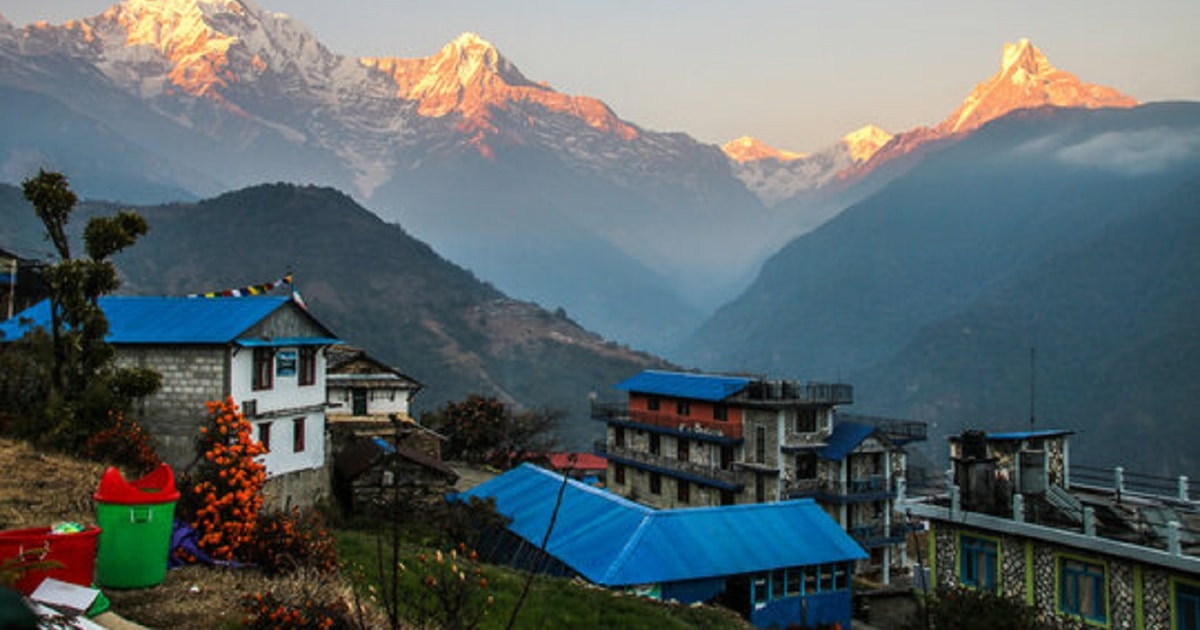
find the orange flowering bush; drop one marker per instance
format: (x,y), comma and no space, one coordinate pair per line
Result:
(274,611)
(285,541)
(453,589)
(123,443)
(226,490)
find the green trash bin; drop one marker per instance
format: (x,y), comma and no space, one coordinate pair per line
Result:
(135,519)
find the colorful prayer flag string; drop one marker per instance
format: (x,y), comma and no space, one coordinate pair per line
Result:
(257,289)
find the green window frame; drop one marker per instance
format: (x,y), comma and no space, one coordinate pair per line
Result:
(1185,605)
(978,561)
(1083,588)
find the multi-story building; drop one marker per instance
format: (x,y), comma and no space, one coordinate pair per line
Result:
(1020,519)
(267,353)
(688,439)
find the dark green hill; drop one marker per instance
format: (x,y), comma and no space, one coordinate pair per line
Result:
(380,289)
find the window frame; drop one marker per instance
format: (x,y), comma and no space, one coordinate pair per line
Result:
(655,483)
(299,434)
(683,408)
(1065,577)
(974,550)
(683,491)
(307,368)
(262,368)
(619,474)
(655,445)
(264,435)
(682,449)
(1193,594)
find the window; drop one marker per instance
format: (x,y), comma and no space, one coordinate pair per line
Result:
(760,588)
(794,575)
(720,412)
(652,404)
(826,578)
(619,474)
(760,488)
(777,581)
(264,435)
(810,580)
(1081,589)
(619,437)
(681,449)
(298,435)
(683,408)
(683,491)
(841,577)
(250,408)
(655,444)
(655,483)
(264,368)
(806,465)
(806,421)
(308,365)
(1185,601)
(760,445)
(977,561)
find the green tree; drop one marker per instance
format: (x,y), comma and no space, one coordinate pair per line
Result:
(84,382)
(481,428)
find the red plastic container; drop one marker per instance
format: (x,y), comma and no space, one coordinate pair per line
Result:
(156,487)
(75,552)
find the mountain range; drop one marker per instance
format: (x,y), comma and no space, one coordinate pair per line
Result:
(1045,215)
(551,197)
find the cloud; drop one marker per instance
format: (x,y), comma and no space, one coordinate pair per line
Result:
(1140,152)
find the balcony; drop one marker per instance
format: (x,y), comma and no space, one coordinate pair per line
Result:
(874,488)
(705,429)
(880,535)
(773,393)
(698,473)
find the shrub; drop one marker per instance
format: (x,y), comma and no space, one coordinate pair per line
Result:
(123,443)
(286,541)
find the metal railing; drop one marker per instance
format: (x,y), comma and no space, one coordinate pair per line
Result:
(875,486)
(728,476)
(700,428)
(792,391)
(899,431)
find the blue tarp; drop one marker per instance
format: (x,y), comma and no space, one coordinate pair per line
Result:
(615,542)
(684,385)
(166,320)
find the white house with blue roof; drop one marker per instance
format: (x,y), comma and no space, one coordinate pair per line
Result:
(266,352)
(784,564)
(687,439)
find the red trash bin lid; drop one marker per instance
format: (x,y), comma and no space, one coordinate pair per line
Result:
(156,487)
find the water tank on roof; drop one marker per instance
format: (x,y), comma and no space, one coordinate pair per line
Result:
(1032,472)
(974,444)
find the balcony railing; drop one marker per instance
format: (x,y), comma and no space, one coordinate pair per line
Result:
(692,469)
(794,392)
(899,431)
(879,534)
(698,428)
(867,489)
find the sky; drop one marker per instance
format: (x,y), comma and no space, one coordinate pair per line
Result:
(797,74)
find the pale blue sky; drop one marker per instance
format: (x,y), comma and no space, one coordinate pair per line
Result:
(797,74)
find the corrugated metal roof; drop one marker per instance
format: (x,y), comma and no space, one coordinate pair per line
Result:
(709,387)
(846,437)
(615,542)
(182,320)
(1026,435)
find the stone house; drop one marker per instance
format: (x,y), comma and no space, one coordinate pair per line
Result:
(267,353)
(371,473)
(692,439)
(1018,518)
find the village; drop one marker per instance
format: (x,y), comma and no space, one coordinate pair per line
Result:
(753,494)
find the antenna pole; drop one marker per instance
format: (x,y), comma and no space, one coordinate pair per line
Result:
(1032,384)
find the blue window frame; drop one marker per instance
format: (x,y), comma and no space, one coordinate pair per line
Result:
(1186,604)
(1082,589)
(978,559)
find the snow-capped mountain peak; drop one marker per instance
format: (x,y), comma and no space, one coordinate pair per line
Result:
(749,149)
(1027,79)
(865,141)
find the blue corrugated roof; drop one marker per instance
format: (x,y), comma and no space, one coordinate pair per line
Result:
(135,319)
(615,542)
(1026,435)
(846,437)
(684,385)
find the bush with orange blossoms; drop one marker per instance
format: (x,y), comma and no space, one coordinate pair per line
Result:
(123,443)
(226,488)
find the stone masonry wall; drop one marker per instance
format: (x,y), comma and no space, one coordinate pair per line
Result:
(191,376)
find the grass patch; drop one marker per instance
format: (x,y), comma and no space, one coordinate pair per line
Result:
(552,602)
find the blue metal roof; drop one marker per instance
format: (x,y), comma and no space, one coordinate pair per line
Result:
(709,387)
(172,320)
(615,542)
(846,437)
(1027,435)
